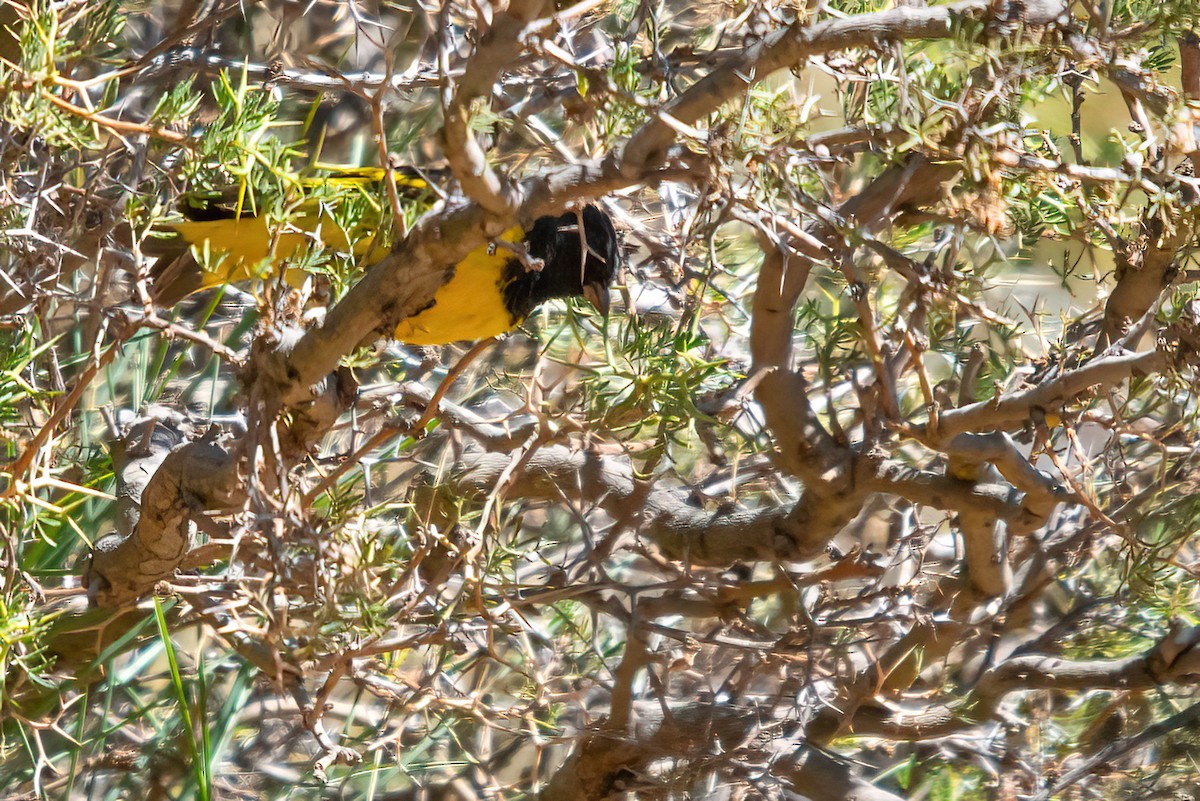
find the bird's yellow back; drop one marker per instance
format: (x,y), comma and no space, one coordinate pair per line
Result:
(246,247)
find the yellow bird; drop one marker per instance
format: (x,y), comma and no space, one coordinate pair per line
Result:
(491,291)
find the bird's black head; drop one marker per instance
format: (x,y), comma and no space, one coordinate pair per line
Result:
(568,271)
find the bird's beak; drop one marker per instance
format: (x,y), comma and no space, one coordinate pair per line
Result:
(597,295)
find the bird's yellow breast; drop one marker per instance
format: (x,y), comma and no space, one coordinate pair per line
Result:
(469,306)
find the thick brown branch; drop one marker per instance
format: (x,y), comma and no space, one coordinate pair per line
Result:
(1015,408)
(805,449)
(1147,265)
(498,49)
(194,476)
(1144,270)
(685,532)
(603,763)
(682,531)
